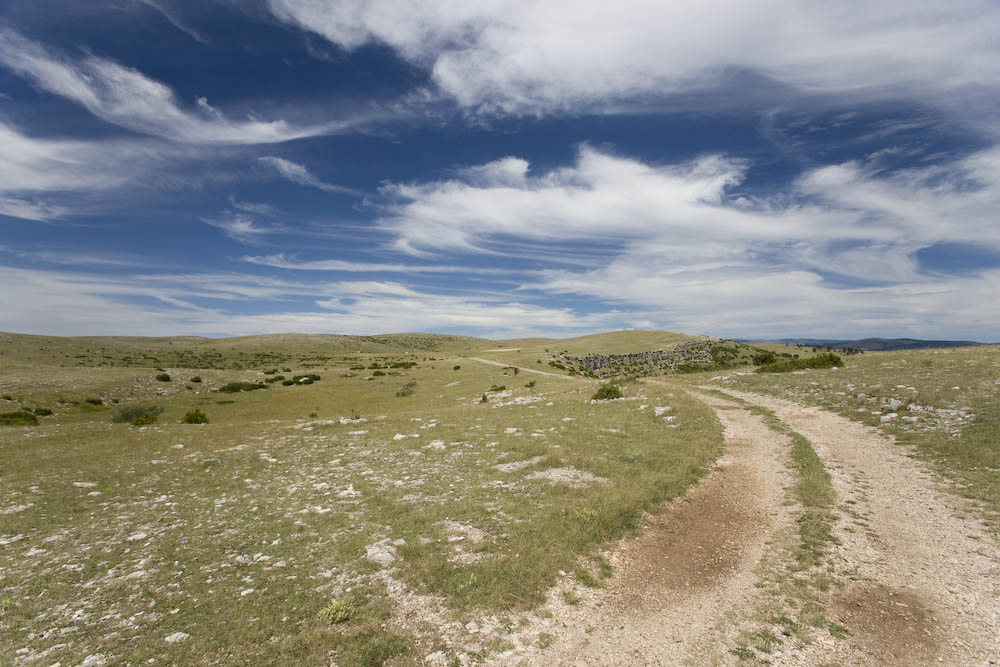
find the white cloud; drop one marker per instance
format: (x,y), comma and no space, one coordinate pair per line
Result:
(242,227)
(37,176)
(126,97)
(682,250)
(297,173)
(77,303)
(29,210)
(533,57)
(282,261)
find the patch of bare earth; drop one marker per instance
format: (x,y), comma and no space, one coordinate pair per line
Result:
(692,564)
(921,579)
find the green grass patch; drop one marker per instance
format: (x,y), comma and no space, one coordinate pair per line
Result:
(826,360)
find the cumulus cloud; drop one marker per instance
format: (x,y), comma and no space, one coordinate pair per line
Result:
(684,249)
(517,56)
(124,96)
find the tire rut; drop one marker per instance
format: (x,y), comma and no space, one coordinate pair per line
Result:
(691,565)
(922,581)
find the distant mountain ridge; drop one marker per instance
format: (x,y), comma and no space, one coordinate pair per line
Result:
(873,344)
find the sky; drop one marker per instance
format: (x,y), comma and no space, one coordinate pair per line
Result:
(500,168)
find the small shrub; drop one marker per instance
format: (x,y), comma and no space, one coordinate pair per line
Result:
(127,414)
(42,412)
(196,378)
(93,401)
(828,360)
(19,418)
(407,389)
(163,377)
(236,387)
(496,388)
(484,399)
(302,379)
(455,367)
(195,417)
(340,611)
(287,383)
(530,385)
(606,392)
(146,419)
(378,373)
(7,397)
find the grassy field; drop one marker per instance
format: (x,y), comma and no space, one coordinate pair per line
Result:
(945,403)
(409,501)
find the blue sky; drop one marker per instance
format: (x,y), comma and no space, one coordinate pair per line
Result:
(500,168)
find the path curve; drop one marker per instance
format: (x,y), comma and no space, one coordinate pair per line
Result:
(694,562)
(924,578)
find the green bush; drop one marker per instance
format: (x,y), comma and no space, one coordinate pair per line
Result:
(196,378)
(455,367)
(828,360)
(607,392)
(378,373)
(93,401)
(287,383)
(42,412)
(19,418)
(195,417)
(145,420)
(236,387)
(340,611)
(407,389)
(301,379)
(129,414)
(163,377)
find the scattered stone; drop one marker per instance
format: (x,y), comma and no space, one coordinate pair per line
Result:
(176,637)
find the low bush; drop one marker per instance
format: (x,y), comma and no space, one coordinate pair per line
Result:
(129,414)
(195,417)
(42,412)
(407,389)
(93,401)
(607,392)
(377,373)
(163,377)
(236,387)
(287,383)
(196,378)
(19,418)
(455,367)
(828,360)
(306,379)
(403,364)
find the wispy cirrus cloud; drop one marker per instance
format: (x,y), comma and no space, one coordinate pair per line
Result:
(29,210)
(298,173)
(81,303)
(242,227)
(282,261)
(125,97)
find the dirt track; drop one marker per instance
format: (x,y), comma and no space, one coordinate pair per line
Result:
(915,582)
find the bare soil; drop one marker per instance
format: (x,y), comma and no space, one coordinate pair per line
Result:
(917,580)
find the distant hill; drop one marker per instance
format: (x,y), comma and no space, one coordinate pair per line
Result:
(873,344)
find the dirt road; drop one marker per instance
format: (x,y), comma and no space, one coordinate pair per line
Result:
(913,580)
(527,370)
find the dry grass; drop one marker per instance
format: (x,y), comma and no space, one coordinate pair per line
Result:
(222,542)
